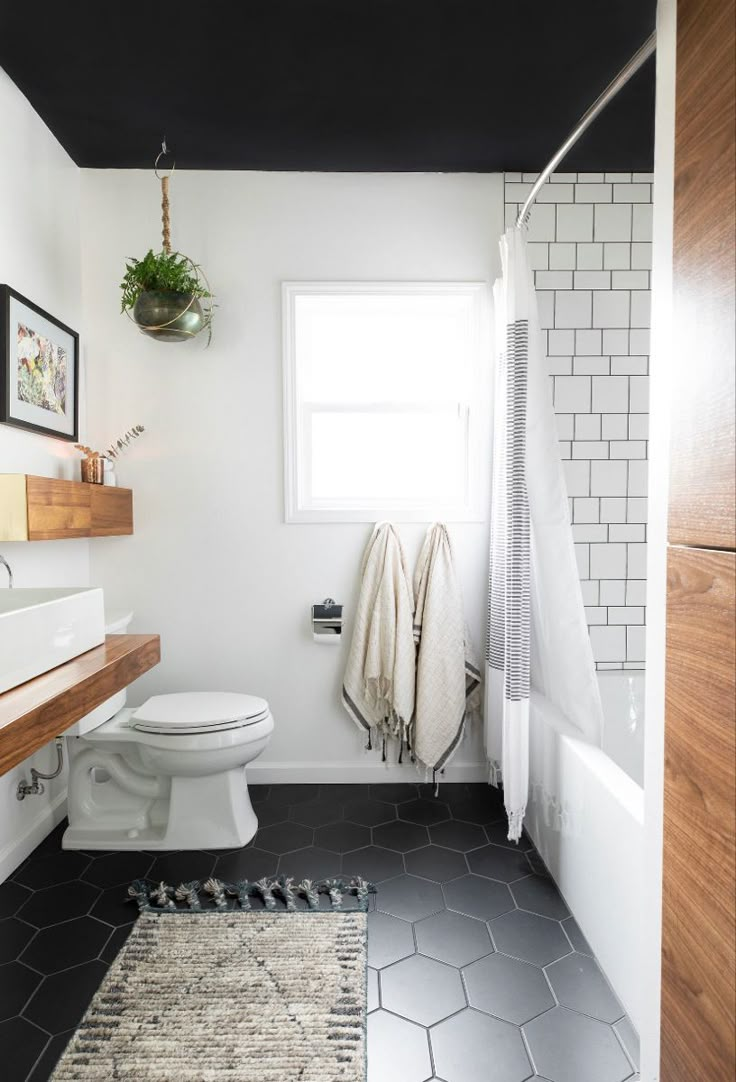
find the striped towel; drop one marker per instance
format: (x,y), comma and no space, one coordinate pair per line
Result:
(378,688)
(447,669)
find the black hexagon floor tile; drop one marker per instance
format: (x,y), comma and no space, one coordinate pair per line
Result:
(527,936)
(17,985)
(495,862)
(294,794)
(118,869)
(182,868)
(398,1050)
(409,897)
(453,938)
(62,999)
(316,813)
(394,793)
(51,1056)
(249,863)
(564,1045)
(434,862)
(424,811)
(342,837)
(462,1046)
(65,945)
(389,939)
(578,983)
(413,865)
(400,836)
(52,905)
(15,935)
(370,813)
(538,894)
(55,868)
(576,937)
(22,1044)
(12,897)
(373,863)
(115,907)
(508,989)
(456,835)
(284,838)
(310,863)
(422,989)
(478,897)
(344,791)
(112,948)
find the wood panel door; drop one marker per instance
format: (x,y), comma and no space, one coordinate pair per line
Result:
(699,888)
(699,956)
(703,481)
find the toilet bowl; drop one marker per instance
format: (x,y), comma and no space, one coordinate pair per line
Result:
(167,775)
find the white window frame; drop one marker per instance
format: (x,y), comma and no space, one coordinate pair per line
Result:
(298,507)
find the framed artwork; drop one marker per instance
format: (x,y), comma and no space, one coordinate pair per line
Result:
(39,369)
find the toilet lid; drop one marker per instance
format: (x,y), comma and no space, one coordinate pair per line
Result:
(198,711)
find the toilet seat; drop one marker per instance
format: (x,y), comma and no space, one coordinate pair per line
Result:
(192,712)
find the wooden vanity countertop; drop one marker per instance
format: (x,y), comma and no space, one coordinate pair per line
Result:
(34,713)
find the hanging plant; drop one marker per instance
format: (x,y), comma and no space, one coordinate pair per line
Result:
(163,293)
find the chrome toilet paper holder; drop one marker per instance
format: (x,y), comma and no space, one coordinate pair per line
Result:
(327,621)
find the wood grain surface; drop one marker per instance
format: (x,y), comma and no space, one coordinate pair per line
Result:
(699,915)
(34,713)
(703,466)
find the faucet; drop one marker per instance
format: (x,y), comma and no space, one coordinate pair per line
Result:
(6,565)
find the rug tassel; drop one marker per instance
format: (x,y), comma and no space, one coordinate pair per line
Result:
(163,895)
(266,888)
(334,889)
(216,888)
(287,893)
(139,890)
(240,890)
(311,893)
(189,893)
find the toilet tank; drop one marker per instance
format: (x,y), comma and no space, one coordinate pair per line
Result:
(116,623)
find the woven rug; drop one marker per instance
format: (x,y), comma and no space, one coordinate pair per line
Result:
(219,995)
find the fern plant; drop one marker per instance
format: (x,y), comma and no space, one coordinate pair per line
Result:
(166,272)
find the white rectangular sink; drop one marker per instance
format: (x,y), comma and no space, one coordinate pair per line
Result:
(43,628)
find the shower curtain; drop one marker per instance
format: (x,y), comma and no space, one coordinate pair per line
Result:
(537,635)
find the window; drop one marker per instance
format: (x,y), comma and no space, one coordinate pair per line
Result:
(384,401)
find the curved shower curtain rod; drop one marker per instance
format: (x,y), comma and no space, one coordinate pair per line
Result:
(642,54)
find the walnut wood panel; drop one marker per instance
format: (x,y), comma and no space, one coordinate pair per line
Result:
(57,509)
(698,950)
(702,492)
(112,511)
(50,509)
(34,713)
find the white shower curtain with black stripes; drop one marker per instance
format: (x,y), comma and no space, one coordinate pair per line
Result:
(537,634)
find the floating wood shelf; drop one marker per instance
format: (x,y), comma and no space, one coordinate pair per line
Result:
(50,509)
(35,712)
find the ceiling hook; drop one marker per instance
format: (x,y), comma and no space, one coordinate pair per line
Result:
(164,153)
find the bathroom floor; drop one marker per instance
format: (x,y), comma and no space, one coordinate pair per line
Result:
(478,973)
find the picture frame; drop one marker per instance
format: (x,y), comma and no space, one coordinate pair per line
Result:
(39,369)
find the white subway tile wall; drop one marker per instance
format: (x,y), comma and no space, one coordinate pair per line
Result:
(590,247)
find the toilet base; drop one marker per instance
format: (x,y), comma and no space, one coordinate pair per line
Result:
(211,812)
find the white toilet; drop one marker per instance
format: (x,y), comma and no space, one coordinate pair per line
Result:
(169,775)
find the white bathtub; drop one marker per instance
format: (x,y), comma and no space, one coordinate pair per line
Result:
(586,817)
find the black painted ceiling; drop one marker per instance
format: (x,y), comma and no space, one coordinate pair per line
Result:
(377,85)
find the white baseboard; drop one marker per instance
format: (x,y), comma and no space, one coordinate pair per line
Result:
(15,852)
(263,772)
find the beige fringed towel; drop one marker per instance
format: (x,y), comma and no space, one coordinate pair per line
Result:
(378,689)
(447,670)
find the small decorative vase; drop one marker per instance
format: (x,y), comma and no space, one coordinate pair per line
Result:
(108,472)
(170,317)
(92,470)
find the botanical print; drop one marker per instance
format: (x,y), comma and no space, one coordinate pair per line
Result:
(42,371)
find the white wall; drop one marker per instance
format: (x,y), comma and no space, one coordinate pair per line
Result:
(40,258)
(662,352)
(212,566)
